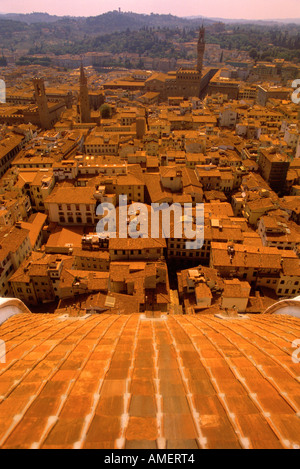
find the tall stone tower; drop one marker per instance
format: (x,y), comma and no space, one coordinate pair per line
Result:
(85,112)
(42,103)
(140,127)
(200,49)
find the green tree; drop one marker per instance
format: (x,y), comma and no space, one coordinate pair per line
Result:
(253,53)
(105,111)
(3,61)
(141,64)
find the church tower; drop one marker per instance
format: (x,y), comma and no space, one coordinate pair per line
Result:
(85,112)
(200,49)
(42,103)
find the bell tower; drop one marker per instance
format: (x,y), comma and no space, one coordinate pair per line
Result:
(200,49)
(85,112)
(42,104)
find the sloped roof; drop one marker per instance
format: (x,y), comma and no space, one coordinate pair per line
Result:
(128,381)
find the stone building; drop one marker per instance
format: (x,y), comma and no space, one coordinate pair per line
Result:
(185,82)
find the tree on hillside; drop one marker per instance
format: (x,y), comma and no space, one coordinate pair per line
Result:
(3,61)
(253,53)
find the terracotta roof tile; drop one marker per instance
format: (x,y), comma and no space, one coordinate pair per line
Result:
(182,444)
(179,427)
(115,381)
(140,444)
(104,427)
(142,406)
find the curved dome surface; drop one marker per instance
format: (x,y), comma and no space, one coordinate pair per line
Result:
(11,306)
(290,307)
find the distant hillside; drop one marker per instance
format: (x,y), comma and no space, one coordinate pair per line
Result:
(115,21)
(257,22)
(108,22)
(153,35)
(31,18)
(289,21)
(120,20)
(42,29)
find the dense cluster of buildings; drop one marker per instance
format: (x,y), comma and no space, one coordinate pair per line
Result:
(85,158)
(225,137)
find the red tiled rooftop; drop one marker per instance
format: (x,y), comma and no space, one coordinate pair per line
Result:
(114,381)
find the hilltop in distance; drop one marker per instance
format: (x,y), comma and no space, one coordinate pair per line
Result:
(152,35)
(135,19)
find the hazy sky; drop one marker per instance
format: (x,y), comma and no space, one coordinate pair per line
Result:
(249,9)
